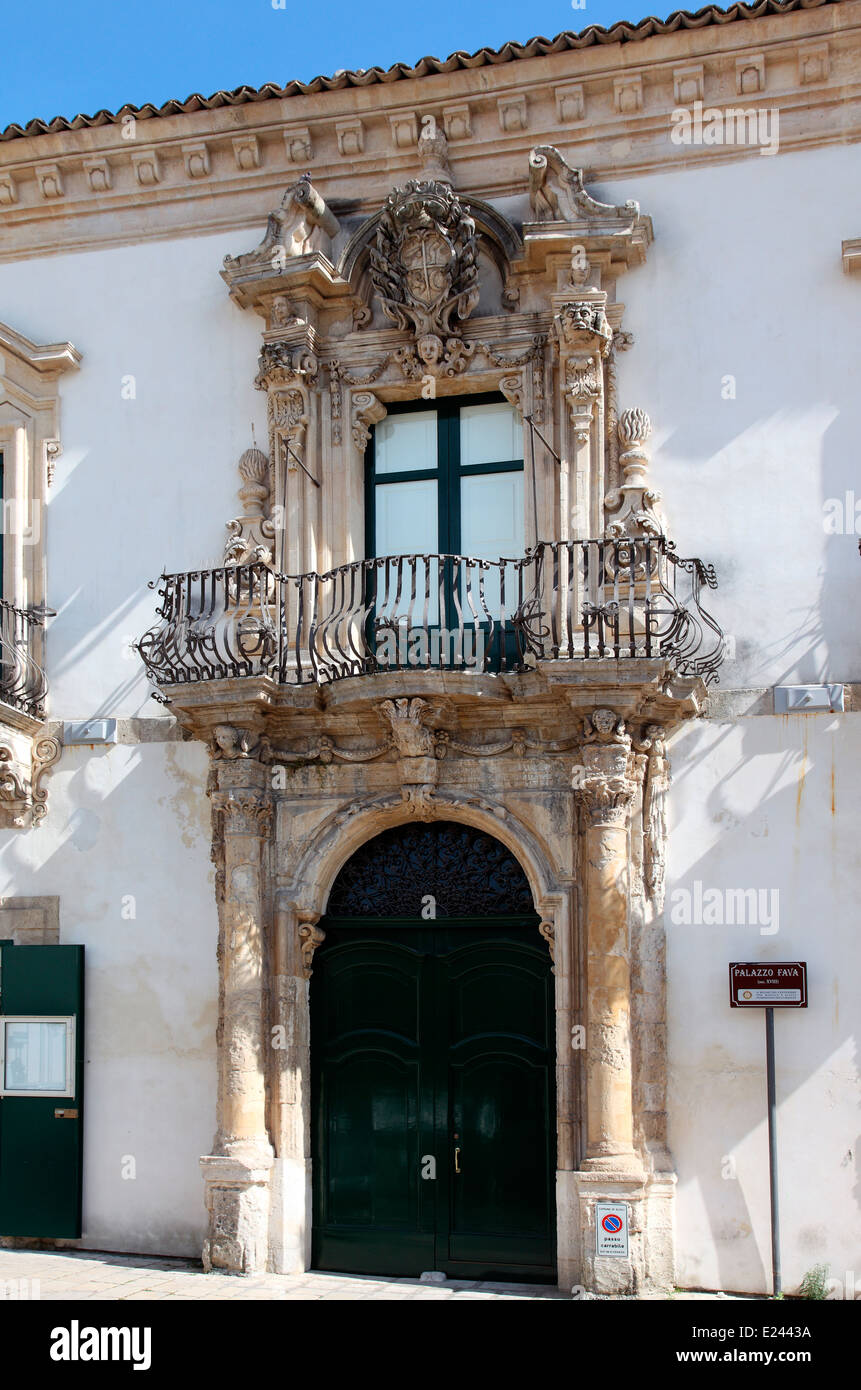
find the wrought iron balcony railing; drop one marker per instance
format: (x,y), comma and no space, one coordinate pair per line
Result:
(565,600)
(22,680)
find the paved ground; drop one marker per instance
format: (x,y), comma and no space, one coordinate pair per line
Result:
(85,1275)
(82,1275)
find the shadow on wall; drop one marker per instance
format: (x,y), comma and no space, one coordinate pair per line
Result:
(790,843)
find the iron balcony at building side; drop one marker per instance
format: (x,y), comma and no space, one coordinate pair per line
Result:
(23,684)
(562,601)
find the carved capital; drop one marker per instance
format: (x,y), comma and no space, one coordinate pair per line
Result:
(605,800)
(244,812)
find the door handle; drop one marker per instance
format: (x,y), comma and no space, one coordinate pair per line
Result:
(457,1167)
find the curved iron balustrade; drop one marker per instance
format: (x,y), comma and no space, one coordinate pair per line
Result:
(22,681)
(564,600)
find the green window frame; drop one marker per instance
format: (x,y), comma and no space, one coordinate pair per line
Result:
(449,471)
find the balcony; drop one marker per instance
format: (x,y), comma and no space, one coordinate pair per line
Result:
(572,601)
(23,685)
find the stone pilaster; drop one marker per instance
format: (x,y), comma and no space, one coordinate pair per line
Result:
(237,1173)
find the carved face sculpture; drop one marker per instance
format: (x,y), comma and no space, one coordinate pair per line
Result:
(604,721)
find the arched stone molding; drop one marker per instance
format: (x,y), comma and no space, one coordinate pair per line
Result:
(338,837)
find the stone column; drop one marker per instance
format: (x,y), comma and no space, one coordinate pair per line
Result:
(611,1169)
(237,1173)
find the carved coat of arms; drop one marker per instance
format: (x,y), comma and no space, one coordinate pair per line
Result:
(423,266)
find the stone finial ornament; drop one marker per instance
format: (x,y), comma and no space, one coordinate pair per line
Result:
(433,152)
(557,192)
(635,500)
(251,536)
(302,223)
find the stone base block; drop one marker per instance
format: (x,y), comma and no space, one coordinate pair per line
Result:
(650,1262)
(237,1199)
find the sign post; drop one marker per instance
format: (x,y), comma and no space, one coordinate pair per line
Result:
(776,984)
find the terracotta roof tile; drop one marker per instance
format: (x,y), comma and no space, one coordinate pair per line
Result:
(622,32)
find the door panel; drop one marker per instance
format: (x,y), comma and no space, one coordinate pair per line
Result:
(367,1084)
(41,1135)
(426,1039)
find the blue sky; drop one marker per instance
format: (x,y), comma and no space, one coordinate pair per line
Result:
(62,57)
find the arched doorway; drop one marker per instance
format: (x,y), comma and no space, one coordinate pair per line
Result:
(433,1063)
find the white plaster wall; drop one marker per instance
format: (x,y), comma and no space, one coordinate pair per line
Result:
(144,484)
(133,820)
(744,278)
(774,803)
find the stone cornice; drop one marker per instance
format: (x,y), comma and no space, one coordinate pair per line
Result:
(49,358)
(608,106)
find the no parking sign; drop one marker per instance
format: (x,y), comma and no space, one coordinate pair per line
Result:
(611,1229)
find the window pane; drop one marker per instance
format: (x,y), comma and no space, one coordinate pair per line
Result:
(407,518)
(491,522)
(407,525)
(404,443)
(35,1057)
(490,434)
(492,529)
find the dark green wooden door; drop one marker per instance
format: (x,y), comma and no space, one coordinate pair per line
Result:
(41,1089)
(433,1096)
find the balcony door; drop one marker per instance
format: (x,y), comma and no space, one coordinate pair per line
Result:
(446,479)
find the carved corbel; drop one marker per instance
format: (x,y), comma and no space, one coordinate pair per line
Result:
(310,937)
(635,502)
(23,767)
(513,390)
(367,410)
(46,752)
(415,745)
(548,931)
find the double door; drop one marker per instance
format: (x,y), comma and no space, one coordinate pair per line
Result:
(433,1099)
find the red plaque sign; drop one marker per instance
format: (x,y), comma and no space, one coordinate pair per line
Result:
(768,984)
